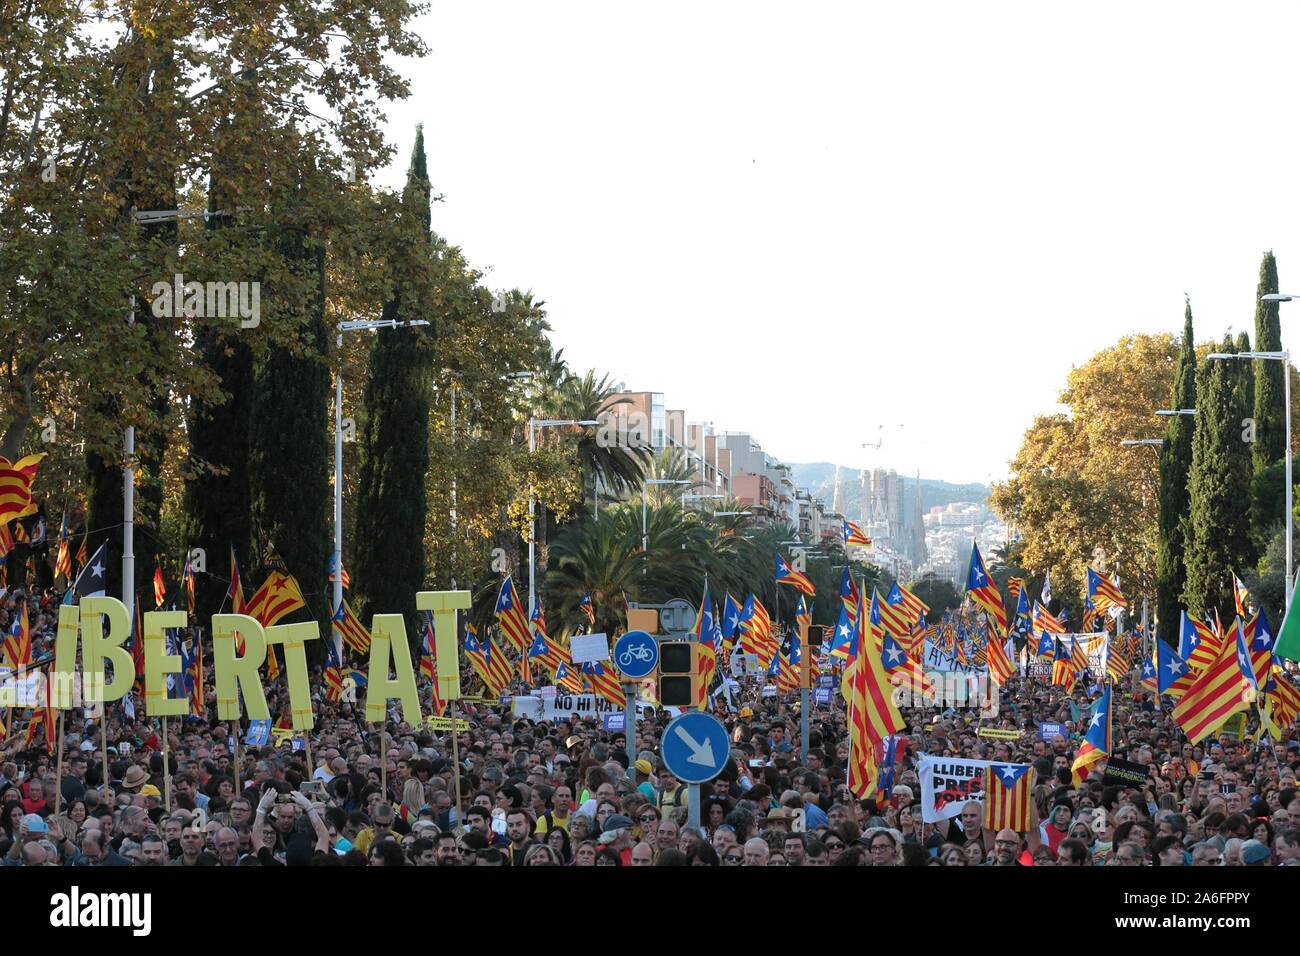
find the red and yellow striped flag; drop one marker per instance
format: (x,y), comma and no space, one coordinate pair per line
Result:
(1218,692)
(16,487)
(1008,792)
(350,629)
(279,595)
(1001,667)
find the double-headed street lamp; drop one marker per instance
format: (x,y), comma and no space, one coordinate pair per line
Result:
(357,326)
(1171,412)
(686,497)
(533,425)
(645,535)
(1143,442)
(1285,358)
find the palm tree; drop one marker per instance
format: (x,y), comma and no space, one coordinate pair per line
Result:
(617,466)
(597,557)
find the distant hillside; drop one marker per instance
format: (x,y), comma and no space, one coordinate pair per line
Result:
(819,478)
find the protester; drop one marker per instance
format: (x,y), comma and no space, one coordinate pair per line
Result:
(564,792)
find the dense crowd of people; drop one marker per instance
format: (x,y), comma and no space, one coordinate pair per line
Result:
(566,793)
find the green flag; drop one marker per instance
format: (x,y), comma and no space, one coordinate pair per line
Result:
(1288,639)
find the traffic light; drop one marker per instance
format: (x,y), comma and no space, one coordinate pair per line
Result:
(679,673)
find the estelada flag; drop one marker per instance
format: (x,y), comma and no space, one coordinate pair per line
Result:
(510,616)
(279,595)
(350,629)
(1221,690)
(159,586)
(984,591)
(1008,792)
(796,579)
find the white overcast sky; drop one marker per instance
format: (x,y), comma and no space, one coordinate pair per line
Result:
(807,220)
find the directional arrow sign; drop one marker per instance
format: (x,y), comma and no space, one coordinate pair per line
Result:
(696,747)
(701,753)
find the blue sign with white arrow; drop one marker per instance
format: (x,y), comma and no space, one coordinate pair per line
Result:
(637,654)
(696,747)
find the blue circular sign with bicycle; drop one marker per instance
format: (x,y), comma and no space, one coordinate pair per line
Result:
(637,654)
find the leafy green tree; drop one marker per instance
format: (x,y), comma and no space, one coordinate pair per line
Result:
(938,593)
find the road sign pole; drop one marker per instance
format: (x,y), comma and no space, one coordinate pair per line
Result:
(695,749)
(629,728)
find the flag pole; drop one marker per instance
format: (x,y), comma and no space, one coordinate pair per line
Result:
(103,739)
(167,776)
(58,791)
(455,755)
(234,728)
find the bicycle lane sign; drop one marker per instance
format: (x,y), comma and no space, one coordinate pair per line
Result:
(637,654)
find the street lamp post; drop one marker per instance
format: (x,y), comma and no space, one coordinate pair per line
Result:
(533,425)
(1285,358)
(685,498)
(645,535)
(356,326)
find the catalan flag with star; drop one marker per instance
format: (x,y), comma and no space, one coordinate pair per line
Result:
(18,644)
(983,590)
(1008,793)
(796,579)
(348,628)
(1173,675)
(854,536)
(731,614)
(1224,688)
(1096,742)
(873,714)
(850,597)
(1002,665)
(429,661)
(510,615)
(1104,591)
(1241,596)
(707,655)
(1117,664)
(902,670)
(1199,644)
(279,595)
(333,674)
(63,563)
(604,682)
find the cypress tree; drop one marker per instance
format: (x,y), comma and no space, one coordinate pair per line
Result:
(217,498)
(1270,421)
(388,567)
(1175,465)
(1217,531)
(289,460)
(1246,382)
(1270,417)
